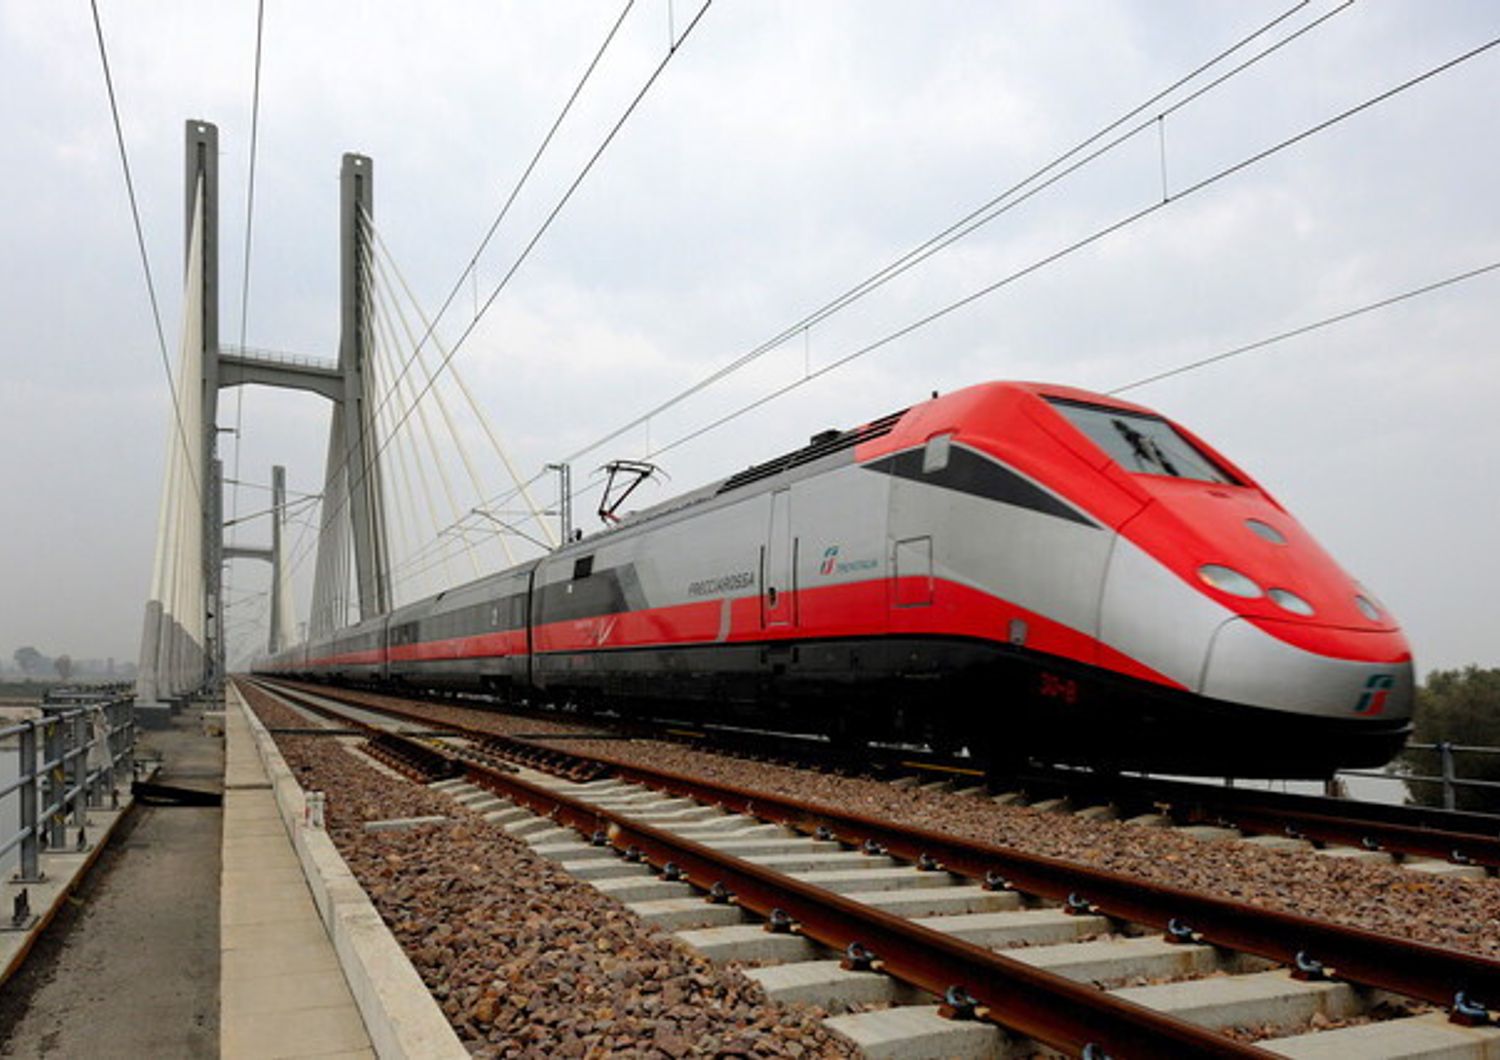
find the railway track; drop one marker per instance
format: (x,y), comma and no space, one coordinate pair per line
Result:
(1431,838)
(1456,837)
(925,909)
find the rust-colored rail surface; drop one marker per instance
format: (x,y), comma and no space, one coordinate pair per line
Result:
(1448,835)
(1040,1005)
(1457,836)
(1414,969)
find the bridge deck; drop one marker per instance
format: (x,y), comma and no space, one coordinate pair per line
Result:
(193,934)
(129,965)
(282,991)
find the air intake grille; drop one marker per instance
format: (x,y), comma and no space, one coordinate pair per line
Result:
(816,451)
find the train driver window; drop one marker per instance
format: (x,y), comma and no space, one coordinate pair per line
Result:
(935,453)
(1141,442)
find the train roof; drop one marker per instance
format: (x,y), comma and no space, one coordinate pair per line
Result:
(829,443)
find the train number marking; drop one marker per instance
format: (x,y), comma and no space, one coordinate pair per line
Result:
(1063,688)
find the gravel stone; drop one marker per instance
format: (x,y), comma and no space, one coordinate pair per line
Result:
(1458,914)
(524,960)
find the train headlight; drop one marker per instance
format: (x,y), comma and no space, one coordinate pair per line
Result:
(1367,607)
(1265,531)
(1290,601)
(1228,580)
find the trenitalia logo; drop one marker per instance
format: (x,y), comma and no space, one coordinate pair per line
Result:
(833,565)
(1377,688)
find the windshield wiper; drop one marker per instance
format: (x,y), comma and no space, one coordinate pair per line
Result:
(1137,442)
(1161,458)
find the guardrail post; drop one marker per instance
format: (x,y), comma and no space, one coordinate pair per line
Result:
(52,752)
(78,768)
(130,731)
(91,777)
(31,866)
(1450,793)
(107,713)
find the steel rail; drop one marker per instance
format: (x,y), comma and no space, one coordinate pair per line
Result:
(1457,836)
(1462,837)
(1023,1000)
(1039,1005)
(1458,847)
(404,753)
(1450,835)
(1416,969)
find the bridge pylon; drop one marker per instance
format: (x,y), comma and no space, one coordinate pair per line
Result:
(182,643)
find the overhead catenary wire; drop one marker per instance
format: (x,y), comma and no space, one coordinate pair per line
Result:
(239,393)
(384,258)
(1303,329)
(1288,334)
(306,499)
(1085,241)
(399,376)
(266,488)
(1155,206)
(472,267)
(425,559)
(531,244)
(557,209)
(1013,196)
(140,240)
(997,206)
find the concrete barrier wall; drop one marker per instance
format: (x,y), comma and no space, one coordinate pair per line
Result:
(400,1015)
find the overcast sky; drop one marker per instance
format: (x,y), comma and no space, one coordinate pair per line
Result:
(788,150)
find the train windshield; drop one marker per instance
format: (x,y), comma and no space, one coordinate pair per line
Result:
(1141,443)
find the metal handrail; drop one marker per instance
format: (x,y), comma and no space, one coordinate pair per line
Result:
(54,781)
(1447,778)
(1460,748)
(264,356)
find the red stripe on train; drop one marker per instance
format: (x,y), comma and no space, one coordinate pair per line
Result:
(859,609)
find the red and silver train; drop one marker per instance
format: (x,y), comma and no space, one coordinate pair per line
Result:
(1023,569)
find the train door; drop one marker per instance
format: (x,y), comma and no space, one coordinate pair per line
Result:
(911,573)
(779,582)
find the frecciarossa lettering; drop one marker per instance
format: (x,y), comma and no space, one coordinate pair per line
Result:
(727,583)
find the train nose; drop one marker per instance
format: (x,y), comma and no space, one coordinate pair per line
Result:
(1335,673)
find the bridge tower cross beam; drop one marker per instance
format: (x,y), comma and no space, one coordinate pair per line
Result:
(353,466)
(272,555)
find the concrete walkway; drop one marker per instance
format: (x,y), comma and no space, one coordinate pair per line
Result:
(282,991)
(130,967)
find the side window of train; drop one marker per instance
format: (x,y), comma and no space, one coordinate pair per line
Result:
(583,567)
(935,453)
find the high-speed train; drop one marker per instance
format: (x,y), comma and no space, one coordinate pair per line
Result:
(1023,569)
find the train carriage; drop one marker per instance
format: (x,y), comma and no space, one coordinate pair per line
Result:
(472,638)
(1021,569)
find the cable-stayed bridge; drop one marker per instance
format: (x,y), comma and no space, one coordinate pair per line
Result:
(363,504)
